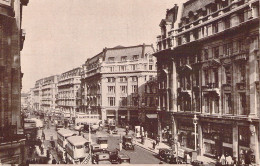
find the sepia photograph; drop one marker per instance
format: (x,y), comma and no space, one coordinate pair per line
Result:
(130,82)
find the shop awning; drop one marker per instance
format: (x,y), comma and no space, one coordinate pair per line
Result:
(151,116)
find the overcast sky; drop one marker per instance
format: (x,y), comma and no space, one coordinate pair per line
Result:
(62,34)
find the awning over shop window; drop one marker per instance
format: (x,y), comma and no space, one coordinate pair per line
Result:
(151,116)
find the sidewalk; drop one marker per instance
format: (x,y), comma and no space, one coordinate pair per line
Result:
(148,145)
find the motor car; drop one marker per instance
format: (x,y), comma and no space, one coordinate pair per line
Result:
(112,129)
(58,126)
(113,156)
(100,156)
(127,143)
(123,159)
(78,127)
(167,155)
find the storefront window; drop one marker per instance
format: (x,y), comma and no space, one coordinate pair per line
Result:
(244,136)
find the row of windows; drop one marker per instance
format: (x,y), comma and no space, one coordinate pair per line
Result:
(123,58)
(214,28)
(125,68)
(123,89)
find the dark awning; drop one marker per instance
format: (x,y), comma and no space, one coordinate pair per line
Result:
(151,116)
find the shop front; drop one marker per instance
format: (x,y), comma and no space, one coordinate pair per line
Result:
(166,121)
(244,144)
(186,134)
(151,125)
(111,115)
(217,139)
(134,118)
(122,118)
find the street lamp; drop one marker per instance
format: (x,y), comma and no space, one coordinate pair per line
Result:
(89,133)
(195,121)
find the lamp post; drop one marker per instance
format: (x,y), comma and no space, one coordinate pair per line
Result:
(195,121)
(89,133)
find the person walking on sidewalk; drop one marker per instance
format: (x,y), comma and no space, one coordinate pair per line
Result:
(120,146)
(157,140)
(154,144)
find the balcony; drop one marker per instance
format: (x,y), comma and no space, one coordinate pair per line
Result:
(226,87)
(211,87)
(241,86)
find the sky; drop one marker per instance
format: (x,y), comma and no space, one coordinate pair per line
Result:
(62,34)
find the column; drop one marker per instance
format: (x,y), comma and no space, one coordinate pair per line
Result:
(255,11)
(252,77)
(116,111)
(235,141)
(200,139)
(191,36)
(174,87)
(103,115)
(159,125)
(254,142)
(128,116)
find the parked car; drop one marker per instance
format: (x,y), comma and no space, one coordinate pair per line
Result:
(58,126)
(123,159)
(167,155)
(128,143)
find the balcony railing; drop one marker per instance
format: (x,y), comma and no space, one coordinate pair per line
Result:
(241,86)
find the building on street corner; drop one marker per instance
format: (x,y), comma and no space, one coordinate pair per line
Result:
(112,82)
(208,65)
(12,140)
(68,99)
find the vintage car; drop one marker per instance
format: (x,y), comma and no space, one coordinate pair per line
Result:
(113,156)
(123,159)
(128,143)
(167,155)
(100,156)
(112,129)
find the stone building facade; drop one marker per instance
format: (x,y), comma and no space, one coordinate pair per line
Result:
(37,95)
(112,82)
(68,97)
(208,65)
(49,90)
(12,140)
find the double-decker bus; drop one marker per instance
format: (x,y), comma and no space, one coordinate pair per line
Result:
(77,150)
(62,136)
(82,118)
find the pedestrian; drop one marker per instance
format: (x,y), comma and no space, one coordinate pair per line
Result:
(157,140)
(229,160)
(154,144)
(120,146)
(54,161)
(222,160)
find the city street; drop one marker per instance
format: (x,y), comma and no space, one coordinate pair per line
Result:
(138,156)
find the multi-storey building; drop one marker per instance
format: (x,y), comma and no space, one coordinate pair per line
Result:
(112,82)
(48,93)
(11,43)
(148,113)
(68,92)
(37,94)
(208,65)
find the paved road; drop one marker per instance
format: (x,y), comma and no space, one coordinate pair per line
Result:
(138,156)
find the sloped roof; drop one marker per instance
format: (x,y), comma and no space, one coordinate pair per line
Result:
(194,5)
(129,52)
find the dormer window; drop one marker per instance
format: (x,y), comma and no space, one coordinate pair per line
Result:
(111,59)
(135,57)
(123,58)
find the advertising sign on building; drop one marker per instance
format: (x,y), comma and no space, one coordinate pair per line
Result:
(5,2)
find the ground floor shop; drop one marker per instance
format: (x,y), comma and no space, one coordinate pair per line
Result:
(216,136)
